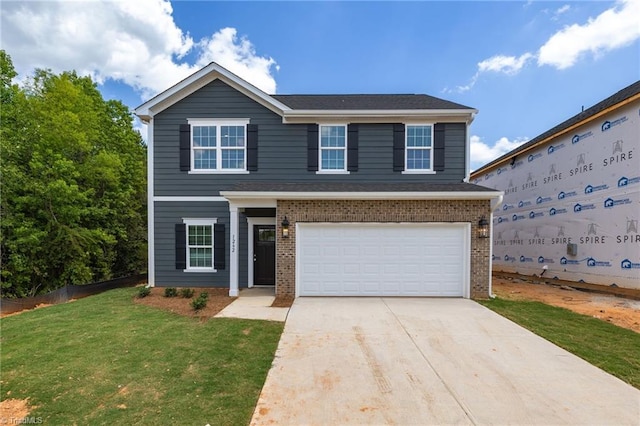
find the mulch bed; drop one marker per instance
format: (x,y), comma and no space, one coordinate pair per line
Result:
(282,302)
(217,301)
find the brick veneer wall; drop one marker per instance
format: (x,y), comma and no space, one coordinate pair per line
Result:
(381,211)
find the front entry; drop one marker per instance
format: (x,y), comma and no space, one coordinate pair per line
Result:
(264,255)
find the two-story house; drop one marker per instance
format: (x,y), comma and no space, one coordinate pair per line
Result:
(319,195)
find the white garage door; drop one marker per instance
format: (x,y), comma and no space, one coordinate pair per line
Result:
(382,259)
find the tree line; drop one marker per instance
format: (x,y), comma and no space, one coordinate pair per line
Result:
(73,184)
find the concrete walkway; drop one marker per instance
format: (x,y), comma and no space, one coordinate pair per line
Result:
(254,303)
(429,361)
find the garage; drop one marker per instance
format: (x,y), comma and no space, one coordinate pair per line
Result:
(382,259)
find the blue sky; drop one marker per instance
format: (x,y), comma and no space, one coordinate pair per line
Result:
(526,66)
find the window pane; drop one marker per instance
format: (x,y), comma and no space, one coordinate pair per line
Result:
(418,159)
(332,159)
(419,136)
(332,136)
(266,234)
(204,159)
(200,235)
(232,135)
(200,257)
(233,158)
(204,136)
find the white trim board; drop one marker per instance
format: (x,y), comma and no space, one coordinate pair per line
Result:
(251,222)
(188,198)
(238,196)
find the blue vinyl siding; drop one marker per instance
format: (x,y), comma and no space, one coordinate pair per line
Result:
(282,148)
(167,214)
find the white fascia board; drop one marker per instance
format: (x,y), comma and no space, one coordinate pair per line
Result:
(236,196)
(198,80)
(422,114)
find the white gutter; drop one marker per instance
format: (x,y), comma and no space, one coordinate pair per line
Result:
(321,195)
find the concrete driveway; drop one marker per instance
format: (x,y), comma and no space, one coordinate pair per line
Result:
(429,361)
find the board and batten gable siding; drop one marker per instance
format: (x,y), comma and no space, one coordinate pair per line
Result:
(167,215)
(282,148)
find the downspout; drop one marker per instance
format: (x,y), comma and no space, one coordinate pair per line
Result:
(494,204)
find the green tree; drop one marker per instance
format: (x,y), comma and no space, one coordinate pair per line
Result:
(73,184)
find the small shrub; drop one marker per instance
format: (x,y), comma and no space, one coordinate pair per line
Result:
(199,302)
(170,292)
(205,296)
(187,293)
(144,292)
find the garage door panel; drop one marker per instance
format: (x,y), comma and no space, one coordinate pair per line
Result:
(381,259)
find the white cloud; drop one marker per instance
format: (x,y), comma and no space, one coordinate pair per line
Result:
(509,65)
(136,42)
(560,11)
(614,28)
(482,153)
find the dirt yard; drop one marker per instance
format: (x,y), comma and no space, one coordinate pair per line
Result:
(619,311)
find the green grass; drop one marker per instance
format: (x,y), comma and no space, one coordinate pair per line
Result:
(106,360)
(609,347)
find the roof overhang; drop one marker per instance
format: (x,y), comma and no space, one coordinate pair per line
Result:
(236,196)
(199,79)
(363,116)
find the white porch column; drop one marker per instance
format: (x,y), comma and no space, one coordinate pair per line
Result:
(234,235)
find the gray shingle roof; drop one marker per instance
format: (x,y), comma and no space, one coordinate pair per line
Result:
(358,187)
(366,102)
(612,100)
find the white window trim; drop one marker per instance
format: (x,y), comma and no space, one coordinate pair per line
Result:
(218,148)
(199,222)
(408,171)
(342,171)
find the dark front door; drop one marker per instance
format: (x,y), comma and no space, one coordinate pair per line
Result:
(264,255)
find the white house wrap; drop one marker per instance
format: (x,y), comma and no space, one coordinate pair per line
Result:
(572,202)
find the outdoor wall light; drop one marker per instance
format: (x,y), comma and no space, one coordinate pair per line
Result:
(483,228)
(285,227)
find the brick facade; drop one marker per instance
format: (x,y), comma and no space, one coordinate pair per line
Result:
(381,211)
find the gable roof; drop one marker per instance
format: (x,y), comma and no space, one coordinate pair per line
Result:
(621,97)
(302,108)
(366,102)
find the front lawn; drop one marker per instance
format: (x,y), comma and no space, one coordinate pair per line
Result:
(614,349)
(105,360)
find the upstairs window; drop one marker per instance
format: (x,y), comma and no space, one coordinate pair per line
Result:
(218,145)
(333,148)
(418,149)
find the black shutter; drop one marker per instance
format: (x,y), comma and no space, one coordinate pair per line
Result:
(398,147)
(252,147)
(438,147)
(181,246)
(312,147)
(352,148)
(185,147)
(219,246)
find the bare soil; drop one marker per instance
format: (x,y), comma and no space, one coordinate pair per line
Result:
(12,411)
(218,299)
(616,310)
